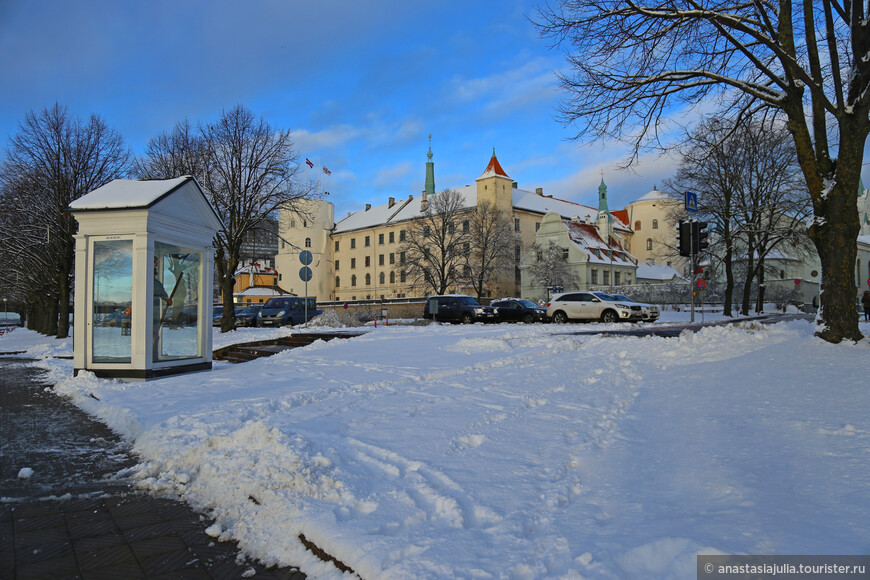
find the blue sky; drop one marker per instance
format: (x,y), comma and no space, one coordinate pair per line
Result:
(360,84)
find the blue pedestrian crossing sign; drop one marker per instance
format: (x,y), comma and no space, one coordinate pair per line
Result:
(691,202)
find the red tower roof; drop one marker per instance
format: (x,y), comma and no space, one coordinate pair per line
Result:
(494,168)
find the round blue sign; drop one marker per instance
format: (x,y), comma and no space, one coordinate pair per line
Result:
(305,273)
(305,257)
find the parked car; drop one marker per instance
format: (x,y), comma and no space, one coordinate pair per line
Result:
(457,308)
(587,306)
(284,310)
(651,312)
(247,316)
(518,310)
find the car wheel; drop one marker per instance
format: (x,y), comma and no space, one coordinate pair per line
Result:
(528,319)
(608,316)
(467,319)
(560,317)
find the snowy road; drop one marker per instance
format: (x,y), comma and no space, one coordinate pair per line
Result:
(513,452)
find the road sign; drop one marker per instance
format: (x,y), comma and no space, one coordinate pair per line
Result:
(702,284)
(305,257)
(797,281)
(691,202)
(305,273)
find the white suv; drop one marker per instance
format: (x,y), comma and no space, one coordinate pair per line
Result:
(588,306)
(651,312)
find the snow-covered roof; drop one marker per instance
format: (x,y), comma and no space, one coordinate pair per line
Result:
(585,236)
(261,291)
(864,240)
(256,269)
(655,195)
(656,272)
(128,194)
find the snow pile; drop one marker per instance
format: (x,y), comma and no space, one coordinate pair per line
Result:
(508,451)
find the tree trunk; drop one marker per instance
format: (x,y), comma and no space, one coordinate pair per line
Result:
(227,282)
(834,238)
(65,290)
(729,279)
(759,302)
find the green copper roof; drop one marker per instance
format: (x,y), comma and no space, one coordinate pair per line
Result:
(602,200)
(430,174)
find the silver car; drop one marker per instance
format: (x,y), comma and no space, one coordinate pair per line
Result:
(588,306)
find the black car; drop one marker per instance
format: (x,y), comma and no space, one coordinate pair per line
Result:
(247,316)
(519,310)
(457,308)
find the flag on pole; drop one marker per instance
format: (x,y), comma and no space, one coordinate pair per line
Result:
(327,171)
(308,161)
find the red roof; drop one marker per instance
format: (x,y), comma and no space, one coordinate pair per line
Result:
(494,168)
(621,215)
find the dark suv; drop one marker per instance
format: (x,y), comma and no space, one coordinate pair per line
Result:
(457,308)
(517,309)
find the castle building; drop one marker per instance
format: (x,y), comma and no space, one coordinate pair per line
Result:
(360,257)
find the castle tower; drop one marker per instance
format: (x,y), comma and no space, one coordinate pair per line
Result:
(309,227)
(605,220)
(494,186)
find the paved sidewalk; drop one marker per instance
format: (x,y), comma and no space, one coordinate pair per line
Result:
(75,517)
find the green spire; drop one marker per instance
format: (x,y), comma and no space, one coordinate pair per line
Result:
(602,198)
(430,171)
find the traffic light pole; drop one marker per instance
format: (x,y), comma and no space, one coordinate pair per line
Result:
(692,275)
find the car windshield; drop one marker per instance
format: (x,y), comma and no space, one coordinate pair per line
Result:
(252,309)
(622,298)
(467,301)
(528,303)
(277,303)
(605,296)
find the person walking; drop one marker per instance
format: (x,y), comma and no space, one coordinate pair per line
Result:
(865,301)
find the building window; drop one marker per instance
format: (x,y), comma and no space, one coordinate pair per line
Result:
(337,281)
(518,278)
(382,278)
(307,242)
(392,258)
(426,231)
(637,226)
(539,256)
(465,226)
(655,224)
(368,279)
(380,259)
(336,245)
(402,276)
(466,249)
(368,261)
(283,244)
(616,276)
(537,226)
(402,258)
(352,243)
(368,241)
(565,254)
(336,265)
(517,251)
(353,280)
(392,277)
(649,243)
(292,223)
(381,239)
(628,278)
(352,263)
(594,278)
(516,224)
(392,237)
(606,277)
(401,235)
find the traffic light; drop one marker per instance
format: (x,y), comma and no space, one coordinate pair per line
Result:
(699,237)
(684,238)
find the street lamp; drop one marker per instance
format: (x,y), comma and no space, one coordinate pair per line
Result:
(5,313)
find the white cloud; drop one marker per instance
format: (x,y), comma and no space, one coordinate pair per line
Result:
(394,176)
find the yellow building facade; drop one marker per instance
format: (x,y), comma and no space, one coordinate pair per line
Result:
(360,256)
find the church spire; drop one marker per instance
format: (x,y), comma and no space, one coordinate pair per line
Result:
(430,171)
(602,198)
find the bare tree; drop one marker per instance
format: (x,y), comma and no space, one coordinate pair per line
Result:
(491,246)
(751,192)
(551,267)
(53,160)
(633,62)
(247,169)
(434,244)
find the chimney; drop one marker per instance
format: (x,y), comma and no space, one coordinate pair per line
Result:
(514,184)
(391,202)
(423,202)
(368,206)
(576,219)
(588,219)
(540,191)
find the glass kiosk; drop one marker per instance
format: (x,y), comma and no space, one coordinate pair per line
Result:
(143,271)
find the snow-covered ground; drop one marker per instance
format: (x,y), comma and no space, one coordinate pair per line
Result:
(512,451)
